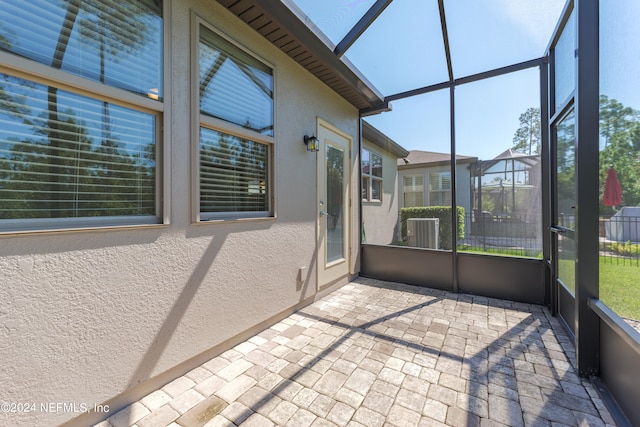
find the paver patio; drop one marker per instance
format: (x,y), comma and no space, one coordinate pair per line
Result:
(385,354)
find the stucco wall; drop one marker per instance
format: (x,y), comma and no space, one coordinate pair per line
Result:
(380,219)
(84,316)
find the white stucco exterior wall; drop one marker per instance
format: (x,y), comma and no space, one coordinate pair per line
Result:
(86,316)
(380,218)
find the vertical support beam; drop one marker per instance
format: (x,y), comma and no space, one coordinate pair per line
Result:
(587,166)
(545,160)
(361,225)
(454,201)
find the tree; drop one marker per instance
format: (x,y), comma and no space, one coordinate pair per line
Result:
(614,118)
(620,128)
(527,137)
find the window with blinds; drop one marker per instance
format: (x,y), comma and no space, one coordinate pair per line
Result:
(69,157)
(234,86)
(90,158)
(440,189)
(118,43)
(233,174)
(413,191)
(236,131)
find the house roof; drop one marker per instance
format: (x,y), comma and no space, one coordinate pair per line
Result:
(521,161)
(288,28)
(381,140)
(420,159)
(509,154)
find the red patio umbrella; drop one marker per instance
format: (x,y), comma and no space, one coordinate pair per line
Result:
(612,195)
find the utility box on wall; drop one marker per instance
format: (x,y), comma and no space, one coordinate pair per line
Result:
(423,232)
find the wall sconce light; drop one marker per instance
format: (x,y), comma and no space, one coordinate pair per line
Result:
(311,142)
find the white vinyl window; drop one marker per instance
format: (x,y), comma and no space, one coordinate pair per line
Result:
(413,191)
(80,112)
(440,189)
(371,176)
(235,92)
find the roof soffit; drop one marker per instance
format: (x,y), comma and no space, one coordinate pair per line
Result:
(286,27)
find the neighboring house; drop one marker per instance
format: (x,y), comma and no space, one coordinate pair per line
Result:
(510,185)
(425,179)
(158,204)
(380,203)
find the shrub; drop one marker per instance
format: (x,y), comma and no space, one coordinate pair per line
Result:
(625,249)
(443,213)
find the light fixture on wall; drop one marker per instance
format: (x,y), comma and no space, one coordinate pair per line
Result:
(311,142)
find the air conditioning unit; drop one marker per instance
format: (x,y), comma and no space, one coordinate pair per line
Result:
(423,232)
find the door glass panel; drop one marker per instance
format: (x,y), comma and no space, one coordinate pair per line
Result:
(566,262)
(566,199)
(565,63)
(566,171)
(335,204)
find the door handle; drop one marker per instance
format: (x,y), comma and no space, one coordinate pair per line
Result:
(322,213)
(557,230)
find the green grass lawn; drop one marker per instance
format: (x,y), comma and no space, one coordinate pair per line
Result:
(619,286)
(516,252)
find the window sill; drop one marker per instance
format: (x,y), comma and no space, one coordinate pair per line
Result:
(45,231)
(233,220)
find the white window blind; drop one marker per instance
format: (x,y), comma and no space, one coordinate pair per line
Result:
(118,43)
(234,174)
(440,189)
(413,183)
(234,86)
(413,191)
(64,155)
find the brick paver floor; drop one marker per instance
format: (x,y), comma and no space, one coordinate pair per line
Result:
(384,354)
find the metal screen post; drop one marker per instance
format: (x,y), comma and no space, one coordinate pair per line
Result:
(587,166)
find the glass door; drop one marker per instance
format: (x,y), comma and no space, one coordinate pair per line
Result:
(562,127)
(564,217)
(334,179)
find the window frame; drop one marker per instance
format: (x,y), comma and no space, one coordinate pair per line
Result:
(39,73)
(440,191)
(369,177)
(201,120)
(413,179)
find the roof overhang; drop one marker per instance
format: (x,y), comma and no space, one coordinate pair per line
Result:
(288,28)
(381,140)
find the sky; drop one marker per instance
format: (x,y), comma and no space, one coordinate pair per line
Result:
(619,56)
(403,50)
